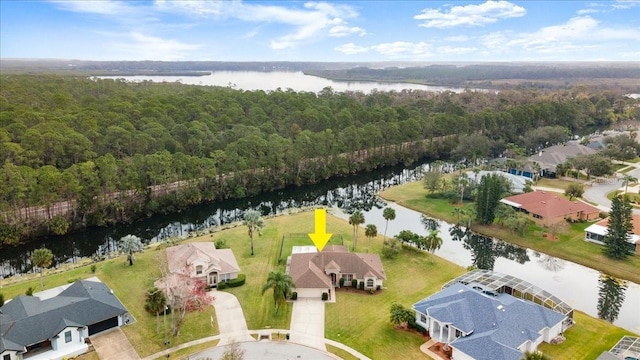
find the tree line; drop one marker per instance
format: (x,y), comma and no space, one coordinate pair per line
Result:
(101,147)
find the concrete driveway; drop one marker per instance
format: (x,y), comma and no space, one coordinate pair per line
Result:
(231,321)
(113,345)
(307,323)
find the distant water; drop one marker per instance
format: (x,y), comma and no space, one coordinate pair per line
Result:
(284,80)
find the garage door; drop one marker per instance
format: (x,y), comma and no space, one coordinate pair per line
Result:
(103,325)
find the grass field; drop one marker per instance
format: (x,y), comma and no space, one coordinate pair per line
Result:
(571,245)
(359,320)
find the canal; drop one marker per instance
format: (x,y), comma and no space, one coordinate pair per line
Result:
(581,287)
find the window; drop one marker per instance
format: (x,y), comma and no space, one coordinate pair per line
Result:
(67,336)
(6,357)
(423,318)
(537,216)
(347,277)
(199,270)
(370,283)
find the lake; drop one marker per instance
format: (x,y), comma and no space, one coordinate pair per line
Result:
(270,81)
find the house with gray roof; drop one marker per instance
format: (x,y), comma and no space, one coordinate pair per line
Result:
(486,325)
(316,272)
(56,327)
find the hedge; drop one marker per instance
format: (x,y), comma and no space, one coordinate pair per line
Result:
(239,281)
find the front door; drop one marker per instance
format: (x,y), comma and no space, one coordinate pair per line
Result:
(213,279)
(333,279)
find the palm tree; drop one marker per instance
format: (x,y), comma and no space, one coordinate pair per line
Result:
(356,219)
(370,231)
(433,242)
(281,284)
(627,179)
(155,304)
(535,355)
(458,211)
(388,214)
(254,223)
(42,258)
(130,244)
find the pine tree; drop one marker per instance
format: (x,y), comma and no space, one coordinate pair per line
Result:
(618,230)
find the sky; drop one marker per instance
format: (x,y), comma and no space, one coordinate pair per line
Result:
(351,31)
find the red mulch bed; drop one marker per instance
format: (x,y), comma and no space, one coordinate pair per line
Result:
(550,237)
(438,348)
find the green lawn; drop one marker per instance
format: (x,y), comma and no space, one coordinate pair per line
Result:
(587,339)
(359,320)
(130,284)
(571,245)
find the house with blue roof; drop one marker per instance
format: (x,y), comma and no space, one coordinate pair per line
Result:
(55,327)
(481,325)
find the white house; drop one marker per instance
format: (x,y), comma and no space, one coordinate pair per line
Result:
(202,261)
(595,233)
(486,325)
(56,327)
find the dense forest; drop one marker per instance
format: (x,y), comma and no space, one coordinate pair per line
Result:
(79,152)
(485,75)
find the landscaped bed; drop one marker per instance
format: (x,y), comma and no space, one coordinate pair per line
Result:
(357,319)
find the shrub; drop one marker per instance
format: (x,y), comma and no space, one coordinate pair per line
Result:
(29,291)
(341,282)
(378,287)
(239,281)
(222,285)
(603,214)
(1,299)
(221,244)
(371,291)
(361,285)
(94,268)
(325,296)
(574,191)
(294,296)
(354,283)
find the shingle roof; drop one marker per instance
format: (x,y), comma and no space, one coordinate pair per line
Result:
(306,269)
(547,204)
(31,320)
(495,326)
(557,154)
(220,260)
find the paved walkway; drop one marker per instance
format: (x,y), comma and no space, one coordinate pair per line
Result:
(269,350)
(425,349)
(113,345)
(307,323)
(231,322)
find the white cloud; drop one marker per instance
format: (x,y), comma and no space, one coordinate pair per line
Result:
(341,31)
(144,47)
(625,4)
(351,49)
(314,19)
(450,50)
(587,11)
(403,49)
(470,15)
(456,38)
(578,34)
(106,7)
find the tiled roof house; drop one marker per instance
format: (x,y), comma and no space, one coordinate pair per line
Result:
(201,260)
(316,272)
(480,326)
(550,208)
(55,327)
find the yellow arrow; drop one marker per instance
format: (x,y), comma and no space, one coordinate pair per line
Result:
(320,238)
